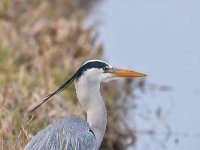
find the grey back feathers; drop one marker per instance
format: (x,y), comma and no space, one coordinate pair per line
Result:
(70,133)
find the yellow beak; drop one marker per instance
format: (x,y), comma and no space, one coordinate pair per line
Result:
(127,73)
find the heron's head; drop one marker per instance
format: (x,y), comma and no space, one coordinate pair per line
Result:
(97,71)
(94,71)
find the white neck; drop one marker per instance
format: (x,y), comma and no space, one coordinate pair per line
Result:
(90,99)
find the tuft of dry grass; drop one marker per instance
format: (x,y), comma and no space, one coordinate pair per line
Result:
(41,44)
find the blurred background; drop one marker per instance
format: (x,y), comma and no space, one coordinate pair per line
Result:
(42,43)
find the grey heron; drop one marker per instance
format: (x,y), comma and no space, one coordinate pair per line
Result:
(74,133)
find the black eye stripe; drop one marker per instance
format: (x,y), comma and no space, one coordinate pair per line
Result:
(89,65)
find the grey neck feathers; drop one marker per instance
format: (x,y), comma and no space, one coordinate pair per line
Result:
(88,93)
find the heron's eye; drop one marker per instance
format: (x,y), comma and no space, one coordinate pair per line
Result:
(106,69)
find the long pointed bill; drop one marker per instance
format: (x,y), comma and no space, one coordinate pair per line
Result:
(127,73)
(60,89)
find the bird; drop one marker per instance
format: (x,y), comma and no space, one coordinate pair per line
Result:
(72,132)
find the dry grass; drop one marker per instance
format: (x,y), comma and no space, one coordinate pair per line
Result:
(41,45)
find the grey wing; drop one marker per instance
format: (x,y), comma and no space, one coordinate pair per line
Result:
(71,133)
